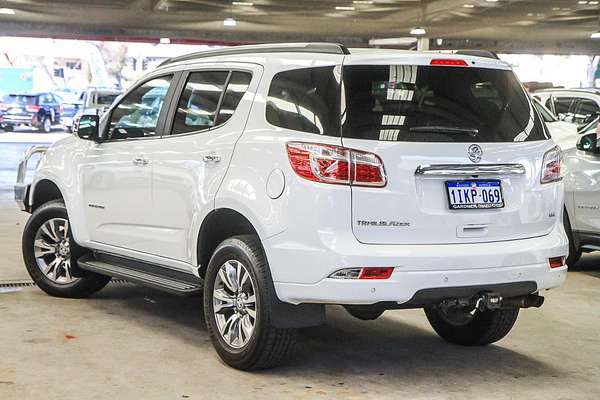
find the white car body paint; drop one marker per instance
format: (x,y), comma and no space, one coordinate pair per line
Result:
(153,212)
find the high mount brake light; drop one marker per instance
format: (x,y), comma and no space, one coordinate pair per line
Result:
(449,62)
(551,166)
(335,164)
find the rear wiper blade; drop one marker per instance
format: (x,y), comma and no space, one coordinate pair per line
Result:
(445,129)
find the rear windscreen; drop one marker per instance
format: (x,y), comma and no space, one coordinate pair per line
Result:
(106,99)
(436,104)
(20,99)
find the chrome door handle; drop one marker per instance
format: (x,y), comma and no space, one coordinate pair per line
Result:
(211,158)
(140,161)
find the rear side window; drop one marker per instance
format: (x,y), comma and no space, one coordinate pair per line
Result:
(562,105)
(236,87)
(197,108)
(587,110)
(437,104)
(306,100)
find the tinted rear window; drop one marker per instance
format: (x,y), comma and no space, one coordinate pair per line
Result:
(437,104)
(106,99)
(20,99)
(305,100)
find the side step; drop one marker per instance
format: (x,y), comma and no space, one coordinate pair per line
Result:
(142,273)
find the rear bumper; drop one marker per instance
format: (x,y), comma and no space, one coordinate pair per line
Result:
(409,286)
(25,119)
(300,273)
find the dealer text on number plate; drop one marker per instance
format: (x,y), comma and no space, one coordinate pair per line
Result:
(474,194)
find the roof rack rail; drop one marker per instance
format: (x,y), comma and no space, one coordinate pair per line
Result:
(477,53)
(324,48)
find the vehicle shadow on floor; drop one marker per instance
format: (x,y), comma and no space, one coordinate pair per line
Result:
(387,347)
(589,264)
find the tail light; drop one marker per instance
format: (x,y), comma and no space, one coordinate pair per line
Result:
(551,166)
(32,108)
(335,164)
(449,62)
(3,106)
(61,109)
(557,262)
(363,273)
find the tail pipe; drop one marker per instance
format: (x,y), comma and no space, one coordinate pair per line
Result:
(528,301)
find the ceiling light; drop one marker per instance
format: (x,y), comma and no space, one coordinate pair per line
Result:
(165,40)
(229,22)
(582,2)
(492,1)
(417,30)
(595,35)
(7,11)
(242,3)
(362,2)
(345,8)
(593,2)
(468,6)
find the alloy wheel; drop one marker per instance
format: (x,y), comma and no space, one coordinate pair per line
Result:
(234,304)
(52,250)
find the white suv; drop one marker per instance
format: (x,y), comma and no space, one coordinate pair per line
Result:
(281,178)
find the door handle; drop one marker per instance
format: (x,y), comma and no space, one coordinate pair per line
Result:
(139,161)
(211,158)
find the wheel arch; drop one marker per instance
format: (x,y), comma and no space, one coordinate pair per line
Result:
(43,191)
(217,226)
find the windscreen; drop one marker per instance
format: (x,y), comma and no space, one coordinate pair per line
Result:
(437,104)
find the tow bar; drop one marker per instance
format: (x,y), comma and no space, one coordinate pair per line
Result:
(493,301)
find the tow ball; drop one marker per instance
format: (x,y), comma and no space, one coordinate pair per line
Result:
(493,301)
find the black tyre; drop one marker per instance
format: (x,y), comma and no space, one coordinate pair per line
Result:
(50,252)
(46,125)
(9,128)
(574,251)
(238,291)
(467,329)
(365,313)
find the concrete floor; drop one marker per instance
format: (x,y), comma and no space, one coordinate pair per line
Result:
(129,342)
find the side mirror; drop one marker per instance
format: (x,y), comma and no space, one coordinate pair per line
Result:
(88,127)
(588,143)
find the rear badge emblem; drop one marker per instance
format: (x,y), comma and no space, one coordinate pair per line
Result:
(475,153)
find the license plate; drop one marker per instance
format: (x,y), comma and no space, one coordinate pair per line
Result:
(474,194)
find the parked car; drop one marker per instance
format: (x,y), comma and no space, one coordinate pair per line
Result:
(582,194)
(93,101)
(579,106)
(564,134)
(39,110)
(310,175)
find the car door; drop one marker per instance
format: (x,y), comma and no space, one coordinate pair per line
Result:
(583,180)
(207,117)
(117,173)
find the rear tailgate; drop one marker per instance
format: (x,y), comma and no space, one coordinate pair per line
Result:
(462,147)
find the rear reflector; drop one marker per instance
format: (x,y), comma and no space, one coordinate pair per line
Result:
(363,273)
(449,62)
(557,262)
(335,164)
(376,273)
